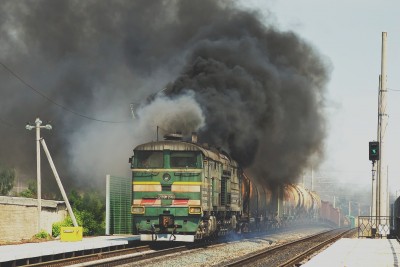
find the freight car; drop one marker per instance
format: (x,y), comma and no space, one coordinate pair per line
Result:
(330,215)
(184,191)
(396,218)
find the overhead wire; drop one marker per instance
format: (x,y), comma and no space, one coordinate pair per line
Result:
(7,123)
(52,101)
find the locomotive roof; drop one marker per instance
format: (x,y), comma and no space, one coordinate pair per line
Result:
(185,146)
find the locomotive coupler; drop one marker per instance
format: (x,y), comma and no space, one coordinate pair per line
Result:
(173,232)
(153,232)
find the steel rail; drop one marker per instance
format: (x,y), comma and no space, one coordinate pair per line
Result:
(118,257)
(90,257)
(298,258)
(263,254)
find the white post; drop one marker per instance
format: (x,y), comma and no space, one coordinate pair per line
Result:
(37,126)
(59,182)
(312,179)
(334,201)
(349,208)
(38,173)
(107,204)
(382,204)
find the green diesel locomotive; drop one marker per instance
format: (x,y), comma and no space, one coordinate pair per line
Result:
(183,191)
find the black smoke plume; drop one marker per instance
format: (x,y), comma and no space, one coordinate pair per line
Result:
(262,92)
(247,87)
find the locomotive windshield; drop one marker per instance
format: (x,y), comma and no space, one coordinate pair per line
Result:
(149,159)
(184,159)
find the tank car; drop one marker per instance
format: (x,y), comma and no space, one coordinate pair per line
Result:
(300,202)
(258,212)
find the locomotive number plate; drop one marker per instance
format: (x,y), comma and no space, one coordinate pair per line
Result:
(165,196)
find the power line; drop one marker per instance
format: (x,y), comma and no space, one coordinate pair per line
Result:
(52,101)
(7,123)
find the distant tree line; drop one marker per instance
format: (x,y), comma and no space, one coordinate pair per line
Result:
(7,177)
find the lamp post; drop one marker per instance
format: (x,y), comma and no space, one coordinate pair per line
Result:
(38,126)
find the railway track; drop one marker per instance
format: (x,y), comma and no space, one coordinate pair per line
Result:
(139,254)
(291,253)
(128,255)
(95,259)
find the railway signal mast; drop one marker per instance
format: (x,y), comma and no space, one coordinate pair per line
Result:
(380,196)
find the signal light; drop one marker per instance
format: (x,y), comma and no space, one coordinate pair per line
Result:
(374,151)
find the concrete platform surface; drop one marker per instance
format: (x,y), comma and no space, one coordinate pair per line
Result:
(30,250)
(358,253)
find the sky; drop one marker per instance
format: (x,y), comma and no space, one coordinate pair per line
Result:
(349,35)
(97,64)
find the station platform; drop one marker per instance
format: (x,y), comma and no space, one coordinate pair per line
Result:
(26,251)
(358,252)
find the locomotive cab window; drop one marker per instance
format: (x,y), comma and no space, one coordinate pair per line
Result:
(149,159)
(185,159)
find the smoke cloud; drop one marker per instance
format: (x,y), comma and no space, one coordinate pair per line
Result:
(243,85)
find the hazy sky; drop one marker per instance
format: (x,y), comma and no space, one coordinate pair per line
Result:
(348,34)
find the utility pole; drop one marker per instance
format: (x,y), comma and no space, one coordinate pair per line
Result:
(38,126)
(132,105)
(349,208)
(382,207)
(380,196)
(312,178)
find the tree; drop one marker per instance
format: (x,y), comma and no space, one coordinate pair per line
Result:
(31,191)
(7,176)
(89,209)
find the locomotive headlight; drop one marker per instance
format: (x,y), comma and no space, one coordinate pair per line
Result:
(137,210)
(166,177)
(194,210)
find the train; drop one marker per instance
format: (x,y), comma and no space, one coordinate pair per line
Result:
(186,191)
(395,224)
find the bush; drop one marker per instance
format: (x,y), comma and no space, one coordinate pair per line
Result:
(56,227)
(42,235)
(89,210)
(31,191)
